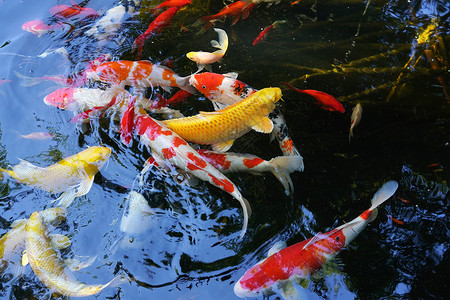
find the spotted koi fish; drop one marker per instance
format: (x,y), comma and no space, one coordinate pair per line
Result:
(139,74)
(72,176)
(166,145)
(280,166)
(297,261)
(48,265)
(222,127)
(225,89)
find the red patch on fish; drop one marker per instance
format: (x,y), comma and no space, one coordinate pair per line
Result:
(218,160)
(168,153)
(192,167)
(149,127)
(366,215)
(197,160)
(251,163)
(224,183)
(177,141)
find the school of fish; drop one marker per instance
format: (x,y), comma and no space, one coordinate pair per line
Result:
(111,87)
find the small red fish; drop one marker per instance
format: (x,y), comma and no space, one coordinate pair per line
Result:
(74,11)
(154,28)
(327,101)
(404,200)
(235,10)
(38,27)
(173,3)
(127,122)
(396,221)
(266,30)
(178,97)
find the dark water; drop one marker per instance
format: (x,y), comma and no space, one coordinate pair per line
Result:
(357,51)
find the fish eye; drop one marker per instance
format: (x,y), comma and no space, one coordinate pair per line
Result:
(337,239)
(204,87)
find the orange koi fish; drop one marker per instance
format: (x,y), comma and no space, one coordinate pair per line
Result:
(280,166)
(138,74)
(327,101)
(222,127)
(173,3)
(73,12)
(235,11)
(155,27)
(168,146)
(299,260)
(38,27)
(266,30)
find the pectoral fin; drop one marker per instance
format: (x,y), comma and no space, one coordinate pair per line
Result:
(85,186)
(75,264)
(264,126)
(223,147)
(60,241)
(24,258)
(18,222)
(276,248)
(67,197)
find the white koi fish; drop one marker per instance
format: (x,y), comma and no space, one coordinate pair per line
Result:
(205,58)
(355,119)
(167,145)
(283,265)
(280,166)
(72,176)
(106,27)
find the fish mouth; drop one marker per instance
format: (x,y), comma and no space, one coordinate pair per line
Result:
(241,292)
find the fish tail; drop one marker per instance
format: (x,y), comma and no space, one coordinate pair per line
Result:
(222,44)
(384,193)
(28,81)
(183,83)
(247,211)
(350,135)
(283,166)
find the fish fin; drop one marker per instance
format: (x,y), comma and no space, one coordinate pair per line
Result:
(18,222)
(60,241)
(74,264)
(280,245)
(222,44)
(28,81)
(319,236)
(223,147)
(67,197)
(116,281)
(283,166)
(183,83)
(166,88)
(24,168)
(233,75)
(288,291)
(247,211)
(85,186)
(215,44)
(264,126)
(24,258)
(218,105)
(208,112)
(373,215)
(207,68)
(384,193)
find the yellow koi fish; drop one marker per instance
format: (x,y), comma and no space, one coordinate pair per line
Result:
(48,265)
(72,176)
(12,244)
(222,127)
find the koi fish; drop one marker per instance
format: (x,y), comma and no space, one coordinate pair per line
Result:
(327,101)
(136,218)
(72,176)
(167,145)
(269,2)
(107,26)
(296,2)
(73,12)
(225,89)
(235,11)
(48,265)
(138,74)
(222,127)
(280,166)
(155,27)
(266,30)
(178,97)
(297,261)
(37,136)
(38,27)
(205,58)
(172,3)
(355,119)
(12,244)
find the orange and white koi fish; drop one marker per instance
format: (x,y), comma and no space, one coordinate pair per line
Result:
(38,27)
(222,127)
(72,176)
(225,89)
(205,58)
(325,100)
(166,145)
(280,166)
(235,11)
(162,20)
(75,11)
(48,265)
(355,119)
(266,30)
(139,74)
(299,260)
(12,244)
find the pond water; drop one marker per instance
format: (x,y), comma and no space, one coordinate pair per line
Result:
(392,57)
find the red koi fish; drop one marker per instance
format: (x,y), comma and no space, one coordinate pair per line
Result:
(235,11)
(167,146)
(178,97)
(138,74)
(301,259)
(266,30)
(225,89)
(73,12)
(280,166)
(155,27)
(173,3)
(38,27)
(327,101)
